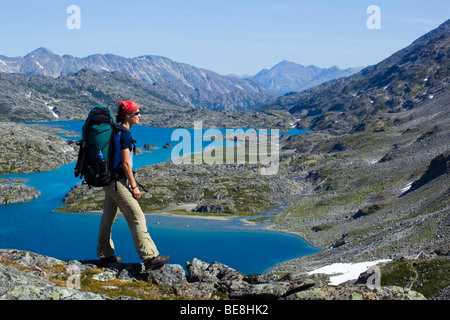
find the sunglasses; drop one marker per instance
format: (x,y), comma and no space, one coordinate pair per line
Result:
(136,113)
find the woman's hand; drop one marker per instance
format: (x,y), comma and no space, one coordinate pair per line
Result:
(136,193)
(126,163)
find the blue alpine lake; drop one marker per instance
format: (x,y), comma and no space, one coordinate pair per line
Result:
(34,226)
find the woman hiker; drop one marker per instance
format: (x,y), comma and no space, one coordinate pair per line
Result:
(121,196)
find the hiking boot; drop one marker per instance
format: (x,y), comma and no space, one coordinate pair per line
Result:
(156,262)
(109,260)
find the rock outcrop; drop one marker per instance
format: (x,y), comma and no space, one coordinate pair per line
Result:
(23,278)
(29,276)
(438,166)
(14,191)
(28,148)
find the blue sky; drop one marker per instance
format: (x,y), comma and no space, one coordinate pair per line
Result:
(228,37)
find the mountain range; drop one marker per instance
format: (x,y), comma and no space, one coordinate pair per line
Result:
(38,98)
(180,82)
(288,76)
(42,78)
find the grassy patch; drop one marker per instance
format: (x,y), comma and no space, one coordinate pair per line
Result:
(260,219)
(426,276)
(115,288)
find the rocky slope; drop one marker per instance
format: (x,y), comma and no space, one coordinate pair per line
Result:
(276,119)
(357,202)
(185,84)
(38,98)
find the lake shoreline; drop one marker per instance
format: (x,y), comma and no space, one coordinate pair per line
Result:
(244,221)
(234,239)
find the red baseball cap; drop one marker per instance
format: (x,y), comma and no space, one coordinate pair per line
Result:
(128,106)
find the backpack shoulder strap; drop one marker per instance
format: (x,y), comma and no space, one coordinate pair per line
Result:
(117,127)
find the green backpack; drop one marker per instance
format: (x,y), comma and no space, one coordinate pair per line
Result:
(96,147)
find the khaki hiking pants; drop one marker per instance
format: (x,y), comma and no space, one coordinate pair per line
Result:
(121,200)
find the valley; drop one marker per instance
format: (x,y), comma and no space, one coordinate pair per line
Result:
(371,181)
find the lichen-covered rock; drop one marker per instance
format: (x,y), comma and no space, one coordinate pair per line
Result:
(357,292)
(28,259)
(18,284)
(196,290)
(168,275)
(51,292)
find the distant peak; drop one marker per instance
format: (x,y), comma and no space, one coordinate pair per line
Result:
(335,67)
(41,51)
(286,62)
